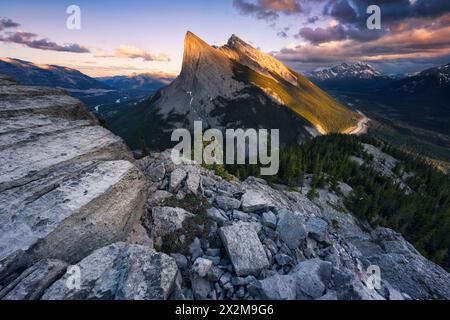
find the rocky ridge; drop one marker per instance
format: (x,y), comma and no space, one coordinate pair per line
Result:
(152,229)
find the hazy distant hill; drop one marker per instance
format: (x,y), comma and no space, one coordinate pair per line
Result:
(29,73)
(143,82)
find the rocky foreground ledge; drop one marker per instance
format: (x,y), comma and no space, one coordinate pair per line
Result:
(71,196)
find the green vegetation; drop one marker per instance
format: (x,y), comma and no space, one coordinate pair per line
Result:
(199,226)
(421,212)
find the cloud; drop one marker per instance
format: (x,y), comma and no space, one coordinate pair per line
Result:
(405,48)
(6,23)
(268,10)
(337,32)
(32,40)
(132,52)
(312,19)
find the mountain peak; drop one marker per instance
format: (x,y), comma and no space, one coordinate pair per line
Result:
(242,52)
(234,41)
(199,55)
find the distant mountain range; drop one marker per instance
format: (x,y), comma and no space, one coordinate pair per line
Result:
(103,96)
(350,76)
(144,82)
(435,81)
(234,86)
(28,73)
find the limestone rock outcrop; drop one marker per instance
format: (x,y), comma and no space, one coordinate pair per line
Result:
(67,185)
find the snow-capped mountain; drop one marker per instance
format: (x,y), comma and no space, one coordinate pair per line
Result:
(359,76)
(358,70)
(434,80)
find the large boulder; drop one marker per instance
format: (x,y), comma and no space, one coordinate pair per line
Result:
(254,200)
(317,228)
(291,228)
(118,272)
(312,278)
(227,203)
(244,248)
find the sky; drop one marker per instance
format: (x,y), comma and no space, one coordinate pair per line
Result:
(136,36)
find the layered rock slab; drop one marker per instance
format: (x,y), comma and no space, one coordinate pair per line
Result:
(67,186)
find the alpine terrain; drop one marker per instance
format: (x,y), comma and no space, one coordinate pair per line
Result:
(73,198)
(233,86)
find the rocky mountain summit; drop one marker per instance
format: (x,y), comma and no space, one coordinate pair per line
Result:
(80,219)
(234,86)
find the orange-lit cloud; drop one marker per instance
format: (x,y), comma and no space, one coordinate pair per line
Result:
(132,52)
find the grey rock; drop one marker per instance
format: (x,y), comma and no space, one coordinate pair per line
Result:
(180,195)
(239,215)
(67,186)
(201,288)
(71,211)
(271,245)
(244,248)
(240,293)
(176,178)
(156,173)
(253,200)
(283,259)
(193,182)
(213,252)
(291,229)
(225,278)
(317,229)
(201,266)
(139,235)
(195,248)
(329,296)
(32,283)
(119,271)
(277,287)
(269,219)
(243,281)
(215,260)
(227,203)
(167,219)
(216,215)
(214,274)
(312,277)
(180,260)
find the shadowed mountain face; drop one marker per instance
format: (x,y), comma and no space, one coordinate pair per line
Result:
(233,86)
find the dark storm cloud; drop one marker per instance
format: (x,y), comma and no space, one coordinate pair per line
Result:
(337,33)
